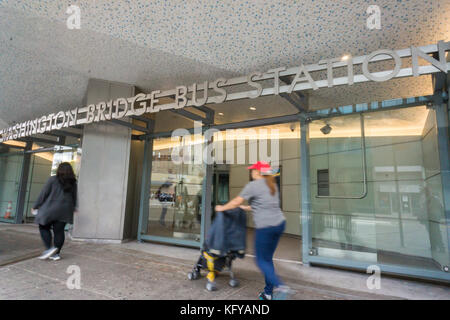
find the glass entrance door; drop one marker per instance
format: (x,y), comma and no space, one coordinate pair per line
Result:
(43,165)
(221,187)
(177,177)
(11,161)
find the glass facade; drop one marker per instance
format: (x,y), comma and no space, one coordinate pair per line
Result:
(11,162)
(42,166)
(400,220)
(375,185)
(373,193)
(278,144)
(176,188)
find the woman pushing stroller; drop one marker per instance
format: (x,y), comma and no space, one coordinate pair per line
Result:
(263,196)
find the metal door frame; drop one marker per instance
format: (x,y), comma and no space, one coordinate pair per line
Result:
(26,153)
(144,208)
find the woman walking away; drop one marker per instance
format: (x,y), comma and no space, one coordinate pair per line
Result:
(56,204)
(262,194)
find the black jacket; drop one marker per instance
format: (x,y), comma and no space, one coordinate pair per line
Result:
(54,204)
(227,232)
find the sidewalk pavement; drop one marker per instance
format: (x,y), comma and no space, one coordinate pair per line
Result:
(135,270)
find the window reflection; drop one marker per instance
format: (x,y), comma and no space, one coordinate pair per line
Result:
(10,168)
(176,189)
(401,221)
(42,166)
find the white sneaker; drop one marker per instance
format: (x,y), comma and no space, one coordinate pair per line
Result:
(47,253)
(55,257)
(282,292)
(264,296)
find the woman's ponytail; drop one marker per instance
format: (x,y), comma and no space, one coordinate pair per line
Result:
(271,183)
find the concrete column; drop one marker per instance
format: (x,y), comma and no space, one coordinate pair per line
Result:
(103,180)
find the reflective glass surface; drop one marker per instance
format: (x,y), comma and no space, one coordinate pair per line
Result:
(400,220)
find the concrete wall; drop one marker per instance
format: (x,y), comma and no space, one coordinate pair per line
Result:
(104,171)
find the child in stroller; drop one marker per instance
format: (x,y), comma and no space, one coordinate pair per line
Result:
(225,242)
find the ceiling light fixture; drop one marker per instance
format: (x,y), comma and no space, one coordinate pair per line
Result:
(292,127)
(345,57)
(220,113)
(252,108)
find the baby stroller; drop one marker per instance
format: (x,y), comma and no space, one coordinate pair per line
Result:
(225,242)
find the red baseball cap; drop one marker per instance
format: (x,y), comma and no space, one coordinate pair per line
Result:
(262,166)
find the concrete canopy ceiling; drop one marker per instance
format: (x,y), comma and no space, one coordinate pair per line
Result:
(45,67)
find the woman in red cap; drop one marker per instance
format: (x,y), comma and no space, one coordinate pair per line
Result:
(262,195)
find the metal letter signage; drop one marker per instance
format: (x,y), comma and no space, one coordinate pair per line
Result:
(186,96)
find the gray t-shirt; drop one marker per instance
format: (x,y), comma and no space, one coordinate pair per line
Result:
(265,207)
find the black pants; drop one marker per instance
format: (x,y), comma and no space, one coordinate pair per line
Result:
(58,230)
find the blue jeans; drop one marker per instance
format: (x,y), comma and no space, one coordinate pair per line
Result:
(266,241)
